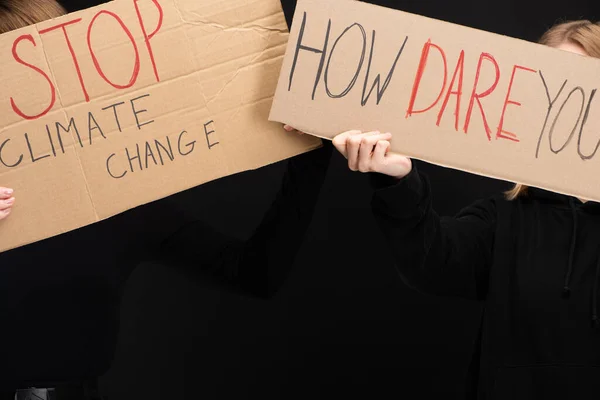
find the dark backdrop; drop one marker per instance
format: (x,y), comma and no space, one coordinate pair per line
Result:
(344,323)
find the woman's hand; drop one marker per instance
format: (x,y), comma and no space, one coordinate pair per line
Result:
(368,152)
(6,202)
(292,129)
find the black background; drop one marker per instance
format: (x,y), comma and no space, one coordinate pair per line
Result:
(344,324)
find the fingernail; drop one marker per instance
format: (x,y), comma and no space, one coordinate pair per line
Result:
(8,192)
(10,201)
(7,211)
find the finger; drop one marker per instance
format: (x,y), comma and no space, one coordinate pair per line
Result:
(367,148)
(5,204)
(368,160)
(353,147)
(339,142)
(381,149)
(372,139)
(5,193)
(288,128)
(4,213)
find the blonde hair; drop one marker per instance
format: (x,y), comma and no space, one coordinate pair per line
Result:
(583,33)
(15,14)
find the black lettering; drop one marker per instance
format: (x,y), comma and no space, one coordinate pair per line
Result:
(51,141)
(358,68)
(136,112)
(114,107)
(207,133)
(169,151)
(109,171)
(2,158)
(550,105)
(134,157)
(68,129)
(60,141)
(300,46)
(149,153)
(96,126)
(189,144)
(577,89)
(380,89)
(585,117)
(33,158)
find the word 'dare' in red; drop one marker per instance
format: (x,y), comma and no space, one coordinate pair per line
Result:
(92,25)
(455,88)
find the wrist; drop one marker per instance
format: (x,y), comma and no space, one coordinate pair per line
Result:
(406,171)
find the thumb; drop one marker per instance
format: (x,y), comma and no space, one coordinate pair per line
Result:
(396,165)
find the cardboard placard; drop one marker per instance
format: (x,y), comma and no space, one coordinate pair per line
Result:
(125,103)
(450,95)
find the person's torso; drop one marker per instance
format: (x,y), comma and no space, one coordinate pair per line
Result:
(59,297)
(538,339)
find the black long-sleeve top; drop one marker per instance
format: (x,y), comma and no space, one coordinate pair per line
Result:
(533,262)
(59,312)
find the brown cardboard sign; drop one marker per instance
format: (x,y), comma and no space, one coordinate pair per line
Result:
(122,104)
(450,95)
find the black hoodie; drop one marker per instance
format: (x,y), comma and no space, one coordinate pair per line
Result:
(535,264)
(59,312)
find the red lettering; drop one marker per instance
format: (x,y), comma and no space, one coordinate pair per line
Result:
(459,67)
(136,67)
(16,109)
(478,96)
(73,56)
(419,76)
(502,133)
(150,36)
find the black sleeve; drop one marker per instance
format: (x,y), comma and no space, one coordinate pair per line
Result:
(260,264)
(447,256)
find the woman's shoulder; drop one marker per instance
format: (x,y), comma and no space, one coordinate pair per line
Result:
(491,208)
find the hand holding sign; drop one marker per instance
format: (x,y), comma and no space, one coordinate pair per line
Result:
(6,202)
(369,152)
(452,96)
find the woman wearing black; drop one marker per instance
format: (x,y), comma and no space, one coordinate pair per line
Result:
(532,257)
(59,313)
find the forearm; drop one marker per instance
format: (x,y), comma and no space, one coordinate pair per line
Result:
(433,254)
(269,254)
(260,264)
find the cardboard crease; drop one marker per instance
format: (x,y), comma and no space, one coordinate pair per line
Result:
(224,28)
(64,112)
(237,72)
(229,82)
